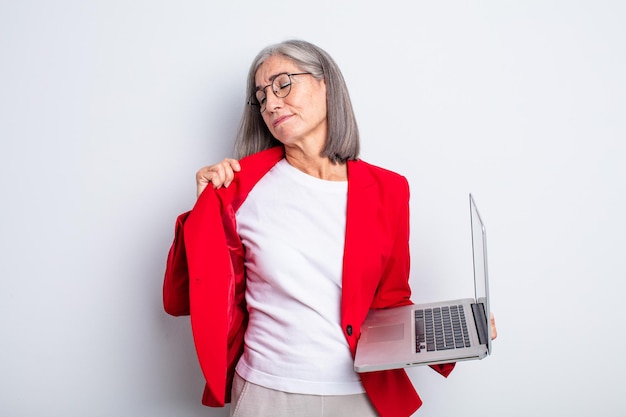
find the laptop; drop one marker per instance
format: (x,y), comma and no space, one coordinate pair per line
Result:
(432,333)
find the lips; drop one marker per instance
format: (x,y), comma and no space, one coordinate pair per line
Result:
(280,120)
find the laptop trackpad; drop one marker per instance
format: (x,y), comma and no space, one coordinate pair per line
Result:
(386,333)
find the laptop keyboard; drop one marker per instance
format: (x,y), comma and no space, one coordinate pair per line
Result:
(441,328)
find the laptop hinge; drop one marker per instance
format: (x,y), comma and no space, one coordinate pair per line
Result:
(481,322)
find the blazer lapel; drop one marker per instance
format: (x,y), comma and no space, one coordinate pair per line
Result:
(361,259)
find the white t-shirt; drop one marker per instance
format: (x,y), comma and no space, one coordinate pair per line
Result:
(293,229)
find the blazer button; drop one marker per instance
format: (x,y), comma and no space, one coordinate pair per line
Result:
(349,329)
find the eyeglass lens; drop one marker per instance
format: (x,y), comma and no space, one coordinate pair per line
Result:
(281,87)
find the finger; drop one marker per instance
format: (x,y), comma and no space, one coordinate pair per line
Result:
(234,164)
(217,176)
(229,166)
(229,175)
(204,177)
(494,331)
(204,174)
(201,183)
(211,174)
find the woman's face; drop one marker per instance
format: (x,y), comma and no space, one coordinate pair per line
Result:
(300,118)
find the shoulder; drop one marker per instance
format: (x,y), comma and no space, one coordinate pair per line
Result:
(364,171)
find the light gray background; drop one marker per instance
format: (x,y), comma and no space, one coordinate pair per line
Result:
(108,108)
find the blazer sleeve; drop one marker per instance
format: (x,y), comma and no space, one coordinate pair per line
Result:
(176,281)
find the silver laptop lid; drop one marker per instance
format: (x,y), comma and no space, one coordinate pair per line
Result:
(481,278)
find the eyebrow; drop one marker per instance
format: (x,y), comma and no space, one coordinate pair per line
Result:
(272,78)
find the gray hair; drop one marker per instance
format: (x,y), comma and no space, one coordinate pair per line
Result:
(342,143)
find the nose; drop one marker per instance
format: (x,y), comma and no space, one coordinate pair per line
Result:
(272,102)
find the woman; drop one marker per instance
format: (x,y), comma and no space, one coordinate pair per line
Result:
(283,255)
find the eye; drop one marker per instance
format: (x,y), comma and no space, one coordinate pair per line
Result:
(284,85)
(260,97)
(281,83)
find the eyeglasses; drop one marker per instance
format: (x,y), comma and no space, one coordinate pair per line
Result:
(281,87)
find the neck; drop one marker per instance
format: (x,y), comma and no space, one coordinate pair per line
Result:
(317,166)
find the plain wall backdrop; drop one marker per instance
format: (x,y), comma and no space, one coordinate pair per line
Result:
(108,108)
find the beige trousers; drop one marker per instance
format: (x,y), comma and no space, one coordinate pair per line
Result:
(251,400)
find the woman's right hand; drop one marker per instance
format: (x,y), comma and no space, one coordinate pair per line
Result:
(219,175)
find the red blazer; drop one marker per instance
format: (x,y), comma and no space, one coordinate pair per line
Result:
(205,274)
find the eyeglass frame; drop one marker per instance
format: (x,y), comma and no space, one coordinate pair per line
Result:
(254,103)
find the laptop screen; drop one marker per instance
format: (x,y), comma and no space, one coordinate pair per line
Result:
(479,250)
